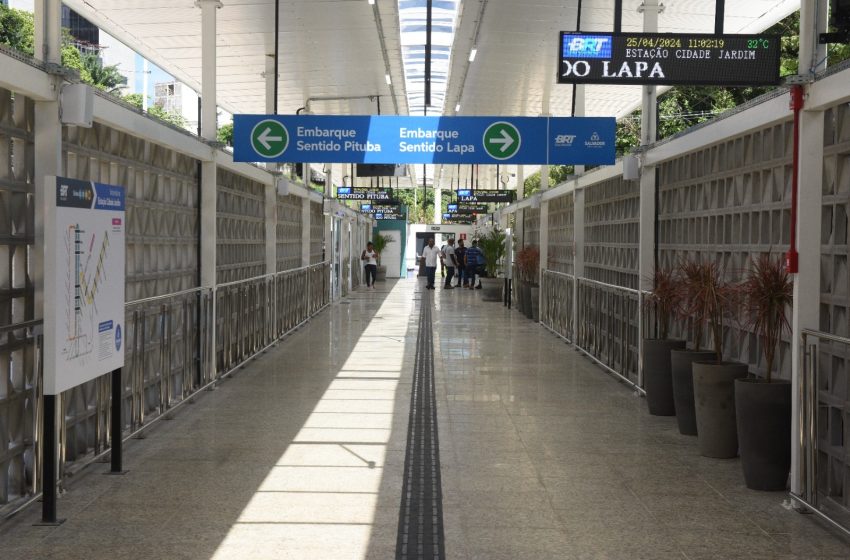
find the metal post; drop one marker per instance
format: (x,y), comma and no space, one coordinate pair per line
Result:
(117,454)
(719,16)
(48,474)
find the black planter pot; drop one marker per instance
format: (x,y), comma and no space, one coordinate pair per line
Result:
(683,387)
(764,432)
(714,400)
(522,297)
(657,377)
(534,303)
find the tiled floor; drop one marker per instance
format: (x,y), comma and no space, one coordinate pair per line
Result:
(300,456)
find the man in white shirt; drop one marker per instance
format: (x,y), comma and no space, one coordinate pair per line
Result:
(450,260)
(431,255)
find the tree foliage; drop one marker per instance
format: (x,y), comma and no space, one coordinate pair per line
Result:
(225,134)
(17,29)
(107,78)
(136,100)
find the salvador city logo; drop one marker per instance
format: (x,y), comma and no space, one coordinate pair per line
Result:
(595,141)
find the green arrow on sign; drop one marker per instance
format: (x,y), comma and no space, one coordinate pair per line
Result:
(502,140)
(269,138)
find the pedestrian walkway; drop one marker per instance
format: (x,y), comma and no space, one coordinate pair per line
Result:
(301,455)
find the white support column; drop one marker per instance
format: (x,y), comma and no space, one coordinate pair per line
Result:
(580,112)
(209,182)
(47,134)
(520,182)
(578,251)
(646,232)
(806,306)
(305,231)
(271,190)
(271,228)
(648,120)
(544,249)
(209,172)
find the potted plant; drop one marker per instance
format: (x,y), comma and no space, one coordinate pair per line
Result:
(492,245)
(664,299)
(380,242)
(763,405)
(681,361)
(712,298)
(528,263)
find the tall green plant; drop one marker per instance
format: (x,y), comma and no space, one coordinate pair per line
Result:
(768,292)
(107,78)
(492,244)
(380,241)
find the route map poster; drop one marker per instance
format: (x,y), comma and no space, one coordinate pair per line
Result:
(84,244)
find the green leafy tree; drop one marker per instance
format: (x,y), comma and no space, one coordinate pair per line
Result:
(557,174)
(17,29)
(136,100)
(107,78)
(225,134)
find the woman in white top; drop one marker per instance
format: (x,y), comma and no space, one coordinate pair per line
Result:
(370,259)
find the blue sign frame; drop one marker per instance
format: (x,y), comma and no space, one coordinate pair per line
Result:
(424,140)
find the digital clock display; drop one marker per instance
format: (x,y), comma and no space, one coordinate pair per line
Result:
(668,59)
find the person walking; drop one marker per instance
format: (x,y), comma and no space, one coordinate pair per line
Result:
(460,256)
(474,264)
(443,260)
(431,254)
(450,259)
(370,262)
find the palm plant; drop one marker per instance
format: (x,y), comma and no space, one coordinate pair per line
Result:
(665,298)
(380,242)
(492,244)
(708,299)
(107,78)
(768,292)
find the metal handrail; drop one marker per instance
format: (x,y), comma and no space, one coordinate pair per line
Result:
(613,334)
(285,300)
(807,437)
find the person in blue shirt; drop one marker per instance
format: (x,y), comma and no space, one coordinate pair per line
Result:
(474,265)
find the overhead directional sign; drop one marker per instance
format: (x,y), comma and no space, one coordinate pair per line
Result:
(668,59)
(390,216)
(403,140)
(479,195)
(462,208)
(363,193)
(458,218)
(381,208)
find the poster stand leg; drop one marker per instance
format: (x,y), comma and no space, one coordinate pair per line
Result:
(48,465)
(117,453)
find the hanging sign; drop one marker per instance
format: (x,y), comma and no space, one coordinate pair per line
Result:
(451,218)
(466,208)
(381,208)
(485,195)
(669,59)
(403,140)
(389,216)
(84,239)
(363,193)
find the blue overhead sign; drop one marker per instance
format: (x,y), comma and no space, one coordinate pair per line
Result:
(448,140)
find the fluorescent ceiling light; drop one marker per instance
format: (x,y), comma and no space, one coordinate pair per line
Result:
(371,2)
(457,108)
(388,79)
(472,54)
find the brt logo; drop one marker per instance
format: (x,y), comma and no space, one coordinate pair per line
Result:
(587,46)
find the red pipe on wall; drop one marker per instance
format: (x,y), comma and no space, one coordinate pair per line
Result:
(792,257)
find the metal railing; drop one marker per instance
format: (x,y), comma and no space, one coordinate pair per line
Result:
(557,313)
(606,322)
(168,361)
(816,485)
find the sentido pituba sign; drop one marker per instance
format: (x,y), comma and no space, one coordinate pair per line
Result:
(668,59)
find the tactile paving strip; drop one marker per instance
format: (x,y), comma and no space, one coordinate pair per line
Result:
(420,526)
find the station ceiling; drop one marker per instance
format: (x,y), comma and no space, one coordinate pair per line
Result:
(346,49)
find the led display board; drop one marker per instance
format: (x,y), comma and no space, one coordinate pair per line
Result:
(668,59)
(363,193)
(484,195)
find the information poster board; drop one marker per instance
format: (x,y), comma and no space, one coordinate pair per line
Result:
(84,250)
